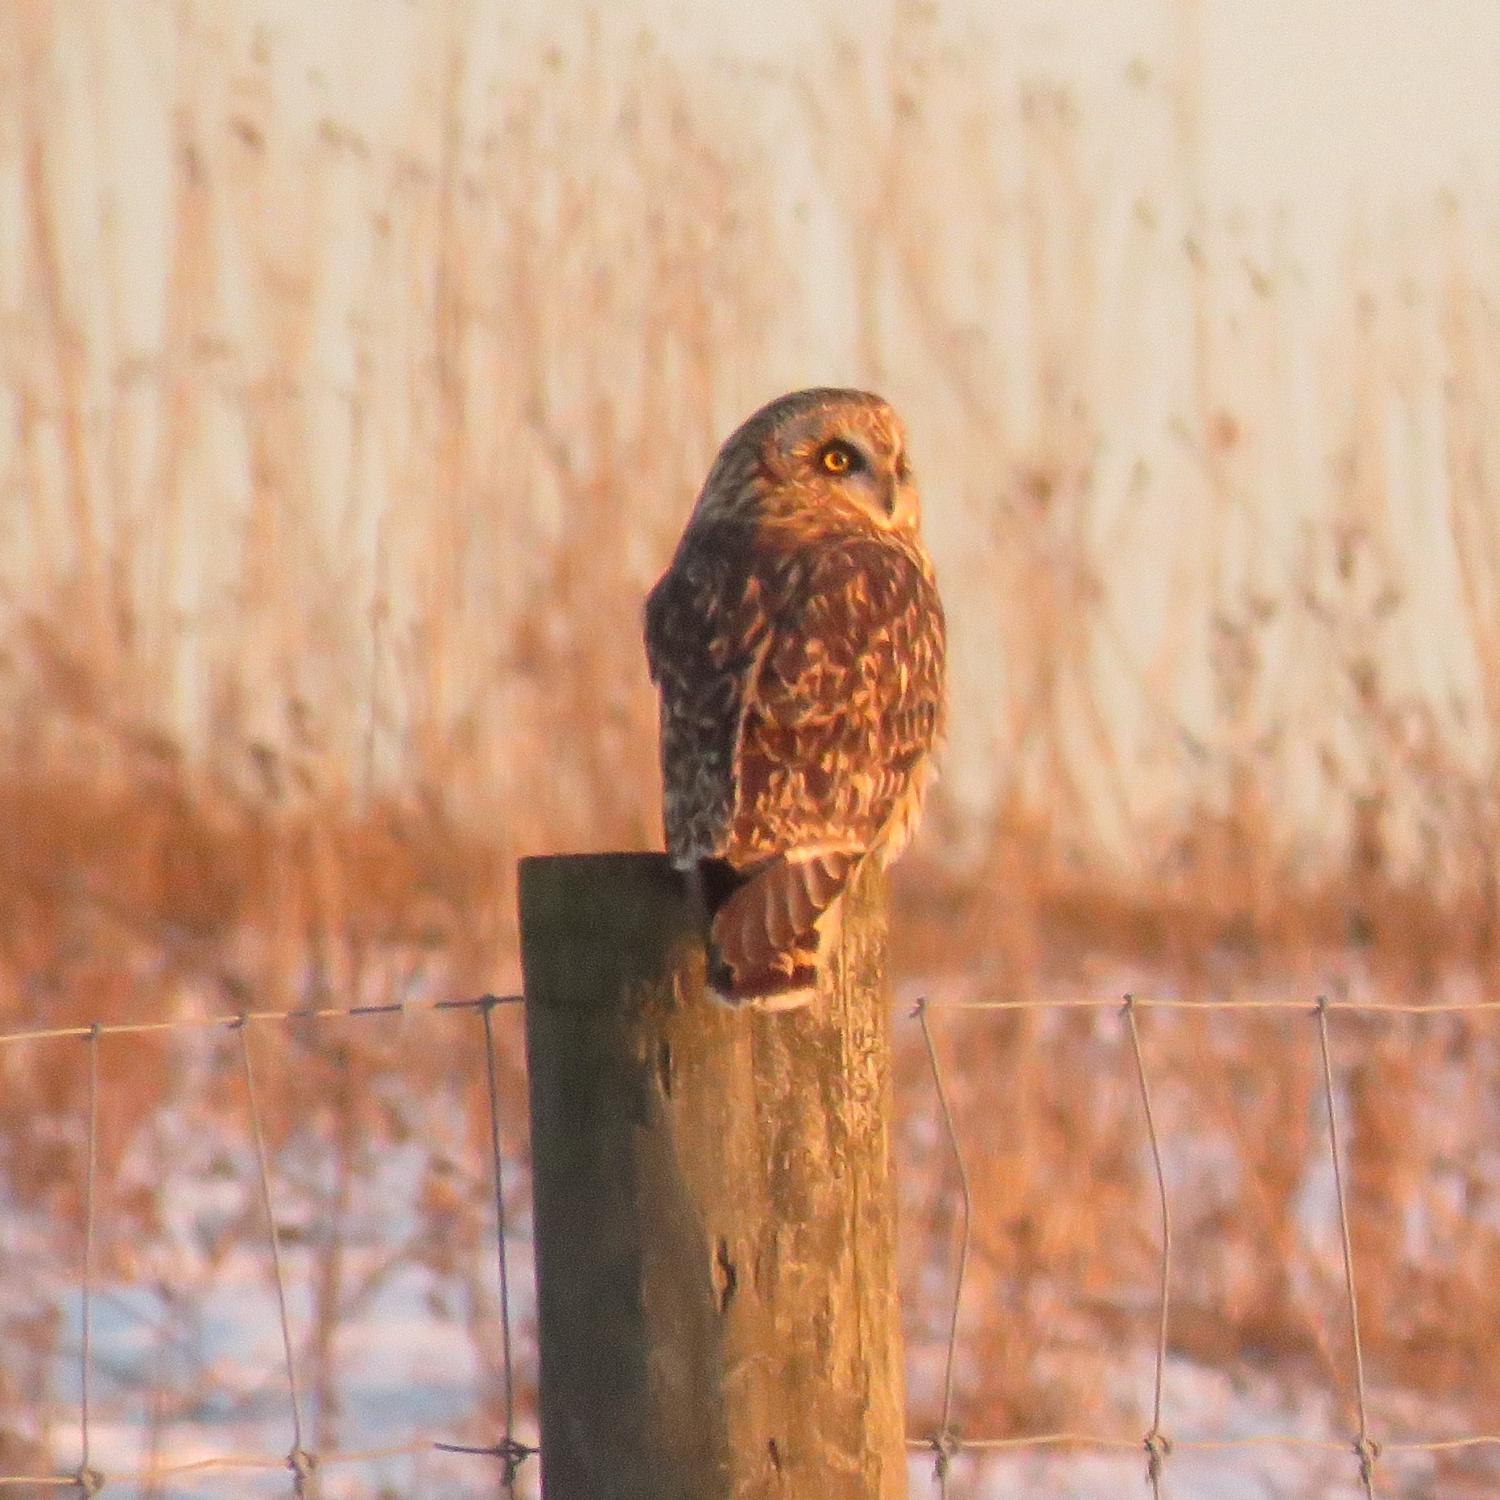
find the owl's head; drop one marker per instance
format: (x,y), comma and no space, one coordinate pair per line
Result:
(818,457)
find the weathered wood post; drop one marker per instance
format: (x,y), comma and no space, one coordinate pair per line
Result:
(715,1224)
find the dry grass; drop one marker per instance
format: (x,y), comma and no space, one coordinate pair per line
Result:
(335,461)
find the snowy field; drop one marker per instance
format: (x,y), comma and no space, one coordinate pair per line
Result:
(393,1306)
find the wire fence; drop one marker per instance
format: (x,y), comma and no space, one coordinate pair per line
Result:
(508,1452)
(1156,1446)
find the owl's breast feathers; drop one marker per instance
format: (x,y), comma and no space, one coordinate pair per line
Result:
(801,689)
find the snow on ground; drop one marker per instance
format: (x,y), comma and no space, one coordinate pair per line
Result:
(414,1350)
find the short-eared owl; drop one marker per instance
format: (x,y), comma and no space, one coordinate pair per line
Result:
(797,641)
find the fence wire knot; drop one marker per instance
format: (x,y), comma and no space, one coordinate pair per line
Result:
(1366,1450)
(512,1455)
(302,1464)
(945,1447)
(1158,1446)
(89,1480)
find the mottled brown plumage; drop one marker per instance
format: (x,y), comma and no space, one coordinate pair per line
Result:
(797,641)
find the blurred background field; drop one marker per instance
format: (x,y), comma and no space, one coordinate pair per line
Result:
(357,369)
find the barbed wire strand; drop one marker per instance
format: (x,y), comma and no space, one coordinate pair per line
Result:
(299,1460)
(1252,1441)
(1179,1002)
(1442,1445)
(90,1481)
(1176,1002)
(512,1454)
(1364,1449)
(943,1444)
(1039,1440)
(224,1463)
(1156,1444)
(229,1021)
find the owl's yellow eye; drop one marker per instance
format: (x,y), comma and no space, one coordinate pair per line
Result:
(840,458)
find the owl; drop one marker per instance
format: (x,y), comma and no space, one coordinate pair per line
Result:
(798,645)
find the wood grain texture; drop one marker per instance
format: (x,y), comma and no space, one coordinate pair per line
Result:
(715,1220)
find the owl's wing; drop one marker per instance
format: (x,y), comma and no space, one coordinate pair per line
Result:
(801,695)
(841,711)
(846,704)
(707,628)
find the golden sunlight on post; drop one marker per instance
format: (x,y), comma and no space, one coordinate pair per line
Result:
(715,1219)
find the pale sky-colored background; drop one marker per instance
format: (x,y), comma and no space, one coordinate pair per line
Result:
(1314,104)
(1314,118)
(1319,105)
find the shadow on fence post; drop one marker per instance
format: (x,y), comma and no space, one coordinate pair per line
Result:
(715,1225)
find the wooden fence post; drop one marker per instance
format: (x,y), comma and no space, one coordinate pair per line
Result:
(715,1222)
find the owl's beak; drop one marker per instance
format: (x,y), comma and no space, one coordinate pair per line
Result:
(900,501)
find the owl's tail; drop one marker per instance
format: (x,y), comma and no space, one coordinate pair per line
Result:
(769,927)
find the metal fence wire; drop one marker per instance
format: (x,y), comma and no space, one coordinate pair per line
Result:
(302,1463)
(1155,1446)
